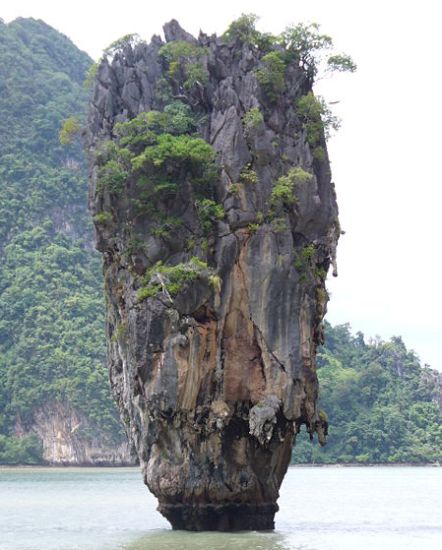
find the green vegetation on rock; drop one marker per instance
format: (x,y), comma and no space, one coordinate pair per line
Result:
(283,195)
(306,44)
(313,51)
(316,117)
(304,263)
(117,46)
(209,212)
(146,147)
(252,119)
(170,278)
(184,63)
(244,30)
(271,75)
(302,42)
(156,153)
(248,175)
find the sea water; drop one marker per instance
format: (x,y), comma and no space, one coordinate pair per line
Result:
(329,508)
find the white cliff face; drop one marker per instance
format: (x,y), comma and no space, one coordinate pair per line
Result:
(68,439)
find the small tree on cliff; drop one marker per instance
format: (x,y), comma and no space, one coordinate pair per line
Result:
(120,44)
(309,46)
(303,42)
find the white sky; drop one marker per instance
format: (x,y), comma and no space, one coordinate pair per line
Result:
(385,159)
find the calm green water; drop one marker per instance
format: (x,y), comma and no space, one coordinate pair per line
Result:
(321,509)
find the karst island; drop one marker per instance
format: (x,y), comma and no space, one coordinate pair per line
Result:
(216,217)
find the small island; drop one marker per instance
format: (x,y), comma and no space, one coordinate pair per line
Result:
(216,216)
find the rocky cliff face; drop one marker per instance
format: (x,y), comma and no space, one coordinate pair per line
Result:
(217,221)
(68,438)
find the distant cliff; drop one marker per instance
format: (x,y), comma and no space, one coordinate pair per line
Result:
(216,216)
(54,399)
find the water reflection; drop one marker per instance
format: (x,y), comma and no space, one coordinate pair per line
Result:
(184,540)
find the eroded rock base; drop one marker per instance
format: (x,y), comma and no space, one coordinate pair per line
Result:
(220,517)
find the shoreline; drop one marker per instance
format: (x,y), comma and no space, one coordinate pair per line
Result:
(369,465)
(66,467)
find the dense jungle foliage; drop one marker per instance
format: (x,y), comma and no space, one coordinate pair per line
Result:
(382,405)
(51,304)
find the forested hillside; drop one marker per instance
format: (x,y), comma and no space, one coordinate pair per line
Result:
(51,306)
(382,405)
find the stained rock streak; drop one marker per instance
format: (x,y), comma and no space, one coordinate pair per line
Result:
(217,220)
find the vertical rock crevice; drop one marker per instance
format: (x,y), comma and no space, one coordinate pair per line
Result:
(217,222)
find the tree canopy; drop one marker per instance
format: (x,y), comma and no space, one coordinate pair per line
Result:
(381,404)
(51,304)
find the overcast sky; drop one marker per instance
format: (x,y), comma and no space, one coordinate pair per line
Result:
(385,159)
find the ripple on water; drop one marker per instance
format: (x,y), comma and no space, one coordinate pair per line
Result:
(183,540)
